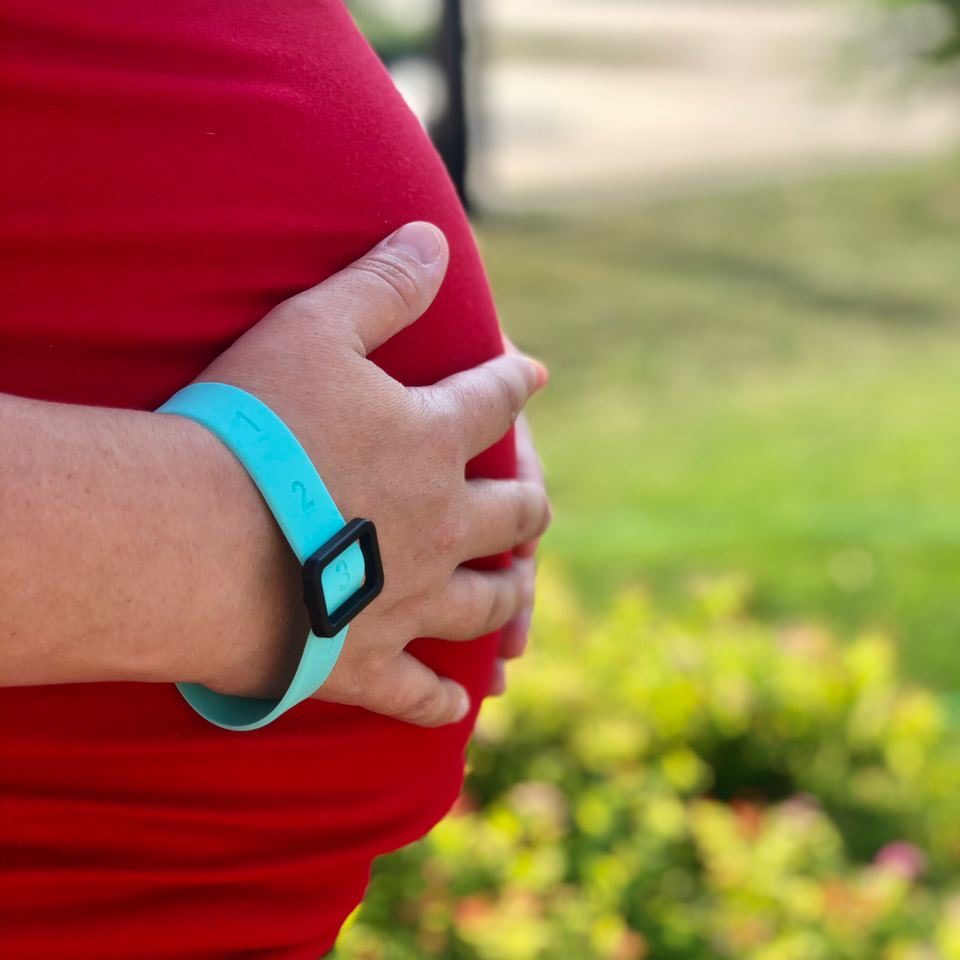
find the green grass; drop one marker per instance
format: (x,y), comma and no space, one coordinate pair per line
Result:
(766,383)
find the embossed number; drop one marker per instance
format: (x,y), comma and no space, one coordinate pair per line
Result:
(298,486)
(341,568)
(243,418)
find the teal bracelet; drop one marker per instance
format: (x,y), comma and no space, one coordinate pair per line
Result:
(342,572)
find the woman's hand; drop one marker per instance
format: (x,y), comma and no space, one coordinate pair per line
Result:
(396,455)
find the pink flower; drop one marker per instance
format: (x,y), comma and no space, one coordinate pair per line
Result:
(903,859)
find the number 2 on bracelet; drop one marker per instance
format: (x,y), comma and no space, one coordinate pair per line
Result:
(298,486)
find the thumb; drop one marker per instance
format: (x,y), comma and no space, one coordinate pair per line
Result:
(388,288)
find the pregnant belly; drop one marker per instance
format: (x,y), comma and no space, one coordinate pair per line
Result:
(177,171)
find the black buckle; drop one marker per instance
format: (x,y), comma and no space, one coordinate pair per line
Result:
(322,622)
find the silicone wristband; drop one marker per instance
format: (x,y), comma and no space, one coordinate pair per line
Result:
(311,522)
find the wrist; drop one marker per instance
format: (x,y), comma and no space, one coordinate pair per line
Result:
(255,619)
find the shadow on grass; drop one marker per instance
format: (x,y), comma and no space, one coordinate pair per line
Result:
(803,291)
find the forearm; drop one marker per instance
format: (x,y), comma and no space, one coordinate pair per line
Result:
(134,547)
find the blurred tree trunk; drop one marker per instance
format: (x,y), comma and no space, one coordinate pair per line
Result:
(450,133)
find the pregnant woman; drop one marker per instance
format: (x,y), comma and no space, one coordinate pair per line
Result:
(170,173)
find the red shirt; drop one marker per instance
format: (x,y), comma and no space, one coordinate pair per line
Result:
(169,172)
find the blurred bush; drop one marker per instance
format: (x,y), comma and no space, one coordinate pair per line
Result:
(393,36)
(691,786)
(937,23)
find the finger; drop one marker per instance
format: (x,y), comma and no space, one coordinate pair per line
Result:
(501,514)
(514,635)
(530,469)
(384,291)
(528,549)
(477,602)
(510,347)
(486,400)
(529,466)
(410,691)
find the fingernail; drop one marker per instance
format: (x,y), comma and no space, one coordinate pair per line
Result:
(543,374)
(463,707)
(421,241)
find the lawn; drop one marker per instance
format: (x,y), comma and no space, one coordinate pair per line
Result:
(764,383)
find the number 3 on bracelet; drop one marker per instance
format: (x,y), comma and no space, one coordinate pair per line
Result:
(342,570)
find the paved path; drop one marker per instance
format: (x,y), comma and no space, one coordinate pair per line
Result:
(717,92)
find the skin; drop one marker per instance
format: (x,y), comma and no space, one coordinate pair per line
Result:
(136,548)
(515,634)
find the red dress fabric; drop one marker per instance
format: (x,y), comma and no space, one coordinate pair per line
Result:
(169,172)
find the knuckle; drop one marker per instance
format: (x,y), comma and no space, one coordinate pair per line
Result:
(497,609)
(317,317)
(296,303)
(302,306)
(406,616)
(423,706)
(465,400)
(448,533)
(531,513)
(422,617)
(441,424)
(509,393)
(474,609)
(426,414)
(395,275)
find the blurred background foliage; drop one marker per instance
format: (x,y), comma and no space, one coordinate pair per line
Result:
(946,45)
(733,735)
(688,786)
(764,382)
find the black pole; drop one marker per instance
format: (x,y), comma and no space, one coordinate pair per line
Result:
(449,132)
